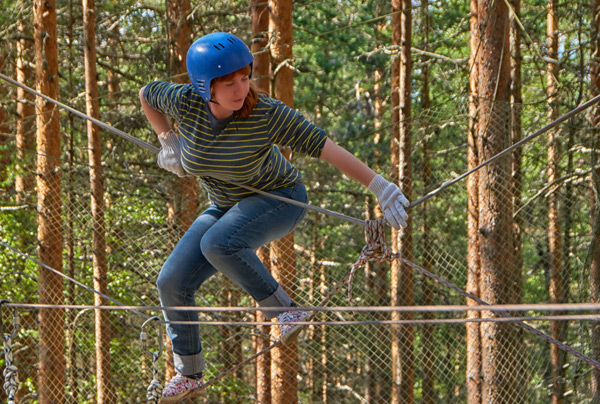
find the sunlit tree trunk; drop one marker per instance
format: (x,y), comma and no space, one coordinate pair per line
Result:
(496,247)
(260,42)
(402,275)
(51,326)
(516,102)
(72,368)
(554,226)
(5,155)
(104,393)
(594,254)
(428,338)
(473,331)
(284,359)
(261,341)
(24,135)
(261,76)
(378,374)
(595,241)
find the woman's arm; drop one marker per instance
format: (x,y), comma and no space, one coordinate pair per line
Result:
(344,161)
(390,197)
(158,121)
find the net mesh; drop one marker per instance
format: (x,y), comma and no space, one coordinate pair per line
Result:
(368,361)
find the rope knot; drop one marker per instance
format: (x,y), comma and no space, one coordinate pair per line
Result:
(375,249)
(11,377)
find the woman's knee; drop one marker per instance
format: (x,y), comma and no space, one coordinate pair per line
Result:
(214,246)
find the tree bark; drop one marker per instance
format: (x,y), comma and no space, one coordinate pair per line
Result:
(105,393)
(284,359)
(428,337)
(516,134)
(594,254)
(402,275)
(595,241)
(51,326)
(262,341)
(24,136)
(473,330)
(496,246)
(260,41)
(261,76)
(554,226)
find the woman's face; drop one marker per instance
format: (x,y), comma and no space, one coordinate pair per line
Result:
(229,95)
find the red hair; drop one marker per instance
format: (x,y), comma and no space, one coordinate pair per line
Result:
(251,98)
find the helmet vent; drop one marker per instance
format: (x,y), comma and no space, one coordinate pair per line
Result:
(200,84)
(219,46)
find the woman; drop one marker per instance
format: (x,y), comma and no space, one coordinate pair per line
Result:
(228,132)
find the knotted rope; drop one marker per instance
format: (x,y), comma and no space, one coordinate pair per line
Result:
(11,378)
(375,249)
(10,373)
(154,391)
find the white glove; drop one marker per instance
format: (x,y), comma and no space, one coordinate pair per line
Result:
(391,200)
(169,157)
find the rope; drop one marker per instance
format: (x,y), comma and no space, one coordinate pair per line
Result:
(374,250)
(10,373)
(11,378)
(442,308)
(154,390)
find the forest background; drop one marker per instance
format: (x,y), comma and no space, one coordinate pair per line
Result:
(422,91)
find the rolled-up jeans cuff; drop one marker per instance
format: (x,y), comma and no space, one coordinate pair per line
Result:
(278,299)
(188,365)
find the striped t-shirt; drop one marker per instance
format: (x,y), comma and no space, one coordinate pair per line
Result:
(244,151)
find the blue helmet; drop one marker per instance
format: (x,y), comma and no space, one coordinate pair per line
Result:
(215,55)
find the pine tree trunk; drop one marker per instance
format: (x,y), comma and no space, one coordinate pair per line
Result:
(402,275)
(262,341)
(5,130)
(186,190)
(496,246)
(261,76)
(516,135)
(428,338)
(24,136)
(595,241)
(473,330)
(554,226)
(260,40)
(51,326)
(594,254)
(105,393)
(284,361)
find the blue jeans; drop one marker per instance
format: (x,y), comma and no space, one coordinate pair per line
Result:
(225,240)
